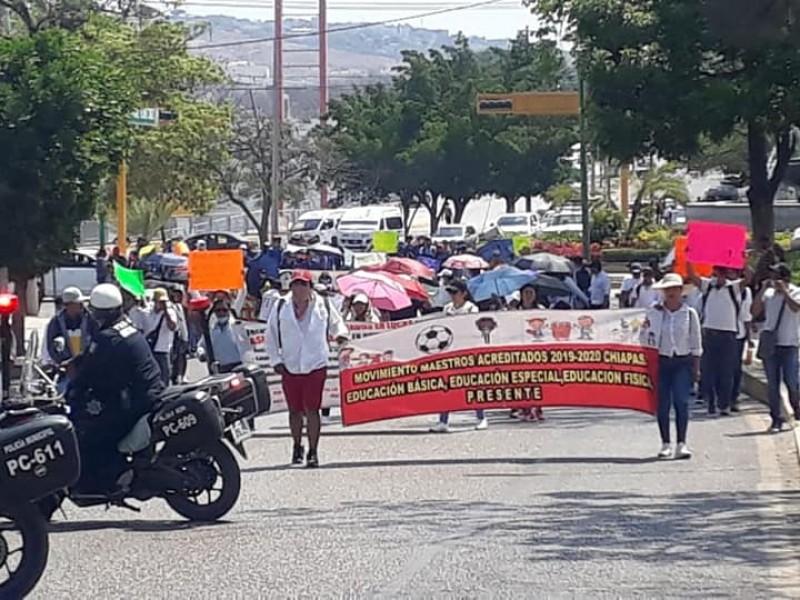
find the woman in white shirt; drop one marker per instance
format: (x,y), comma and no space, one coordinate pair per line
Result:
(459,305)
(674,329)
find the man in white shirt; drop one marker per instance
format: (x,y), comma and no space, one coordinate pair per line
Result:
(298,331)
(721,309)
(742,336)
(779,300)
(600,287)
(644,295)
(162,323)
(630,282)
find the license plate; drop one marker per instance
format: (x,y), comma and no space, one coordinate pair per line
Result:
(240,430)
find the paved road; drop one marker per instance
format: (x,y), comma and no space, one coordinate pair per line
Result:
(572,507)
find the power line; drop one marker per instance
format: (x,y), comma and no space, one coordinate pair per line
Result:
(292,36)
(312,9)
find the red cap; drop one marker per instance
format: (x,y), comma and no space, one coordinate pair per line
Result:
(302,275)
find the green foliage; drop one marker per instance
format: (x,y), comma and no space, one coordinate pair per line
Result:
(656,186)
(655,236)
(628,255)
(421,136)
(63,112)
(562,194)
(606,224)
(665,75)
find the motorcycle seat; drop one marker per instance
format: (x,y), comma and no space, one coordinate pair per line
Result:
(138,439)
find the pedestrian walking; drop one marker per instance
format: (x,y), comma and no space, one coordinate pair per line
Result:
(645,294)
(162,324)
(297,343)
(228,341)
(779,301)
(673,327)
(599,287)
(180,344)
(459,305)
(721,307)
(628,285)
(743,335)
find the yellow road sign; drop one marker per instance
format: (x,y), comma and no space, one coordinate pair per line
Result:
(530,103)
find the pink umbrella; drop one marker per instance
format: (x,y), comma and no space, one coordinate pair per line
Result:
(408,266)
(466,261)
(383,292)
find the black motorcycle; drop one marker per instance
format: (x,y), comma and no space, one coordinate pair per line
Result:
(178,452)
(38,456)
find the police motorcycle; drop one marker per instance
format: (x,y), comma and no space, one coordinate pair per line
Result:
(38,457)
(178,451)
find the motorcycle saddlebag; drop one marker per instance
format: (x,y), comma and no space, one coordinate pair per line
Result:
(259,378)
(189,422)
(38,456)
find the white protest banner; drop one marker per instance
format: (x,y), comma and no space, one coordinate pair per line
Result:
(494,360)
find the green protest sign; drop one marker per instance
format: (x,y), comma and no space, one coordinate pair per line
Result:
(385,241)
(130,280)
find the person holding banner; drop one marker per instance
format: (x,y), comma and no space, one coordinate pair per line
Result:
(459,305)
(674,328)
(297,343)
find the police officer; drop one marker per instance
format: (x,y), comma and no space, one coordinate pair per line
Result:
(114,384)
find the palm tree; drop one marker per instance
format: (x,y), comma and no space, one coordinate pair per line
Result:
(655,187)
(146,217)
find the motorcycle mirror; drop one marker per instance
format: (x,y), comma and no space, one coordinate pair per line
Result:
(59,344)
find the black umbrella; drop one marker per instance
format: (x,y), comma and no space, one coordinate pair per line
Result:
(547,263)
(549,287)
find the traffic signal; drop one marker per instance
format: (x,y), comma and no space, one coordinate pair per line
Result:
(9,303)
(498,106)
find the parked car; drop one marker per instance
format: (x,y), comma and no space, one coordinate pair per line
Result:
(519,223)
(455,233)
(217,241)
(722,193)
(565,222)
(359,224)
(166,267)
(315,227)
(75,269)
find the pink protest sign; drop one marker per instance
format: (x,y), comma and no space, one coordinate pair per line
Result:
(718,244)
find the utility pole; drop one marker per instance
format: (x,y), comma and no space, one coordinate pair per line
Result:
(277,120)
(323,78)
(585,217)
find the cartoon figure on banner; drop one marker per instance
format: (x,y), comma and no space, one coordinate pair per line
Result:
(436,338)
(536,327)
(486,325)
(387,356)
(561,330)
(345,357)
(585,323)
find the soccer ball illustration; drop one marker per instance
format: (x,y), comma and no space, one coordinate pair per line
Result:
(435,338)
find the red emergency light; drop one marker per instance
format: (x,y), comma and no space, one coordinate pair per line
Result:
(9,303)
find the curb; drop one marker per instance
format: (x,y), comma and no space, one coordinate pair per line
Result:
(756,388)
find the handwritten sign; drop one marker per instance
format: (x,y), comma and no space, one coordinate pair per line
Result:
(719,244)
(216,270)
(681,264)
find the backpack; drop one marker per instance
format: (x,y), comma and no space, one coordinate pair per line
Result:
(736,302)
(280,306)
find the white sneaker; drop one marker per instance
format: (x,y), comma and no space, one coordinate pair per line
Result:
(683,452)
(482,424)
(325,420)
(665,452)
(440,428)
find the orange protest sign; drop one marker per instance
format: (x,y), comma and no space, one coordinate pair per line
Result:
(681,263)
(216,270)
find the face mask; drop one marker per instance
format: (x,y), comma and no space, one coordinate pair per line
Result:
(223,320)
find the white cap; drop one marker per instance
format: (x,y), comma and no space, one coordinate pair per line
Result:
(670,280)
(106,296)
(360,298)
(445,273)
(72,295)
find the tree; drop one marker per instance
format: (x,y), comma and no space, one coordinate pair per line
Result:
(421,138)
(63,112)
(245,178)
(664,75)
(655,186)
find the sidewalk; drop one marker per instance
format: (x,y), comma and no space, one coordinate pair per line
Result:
(754,382)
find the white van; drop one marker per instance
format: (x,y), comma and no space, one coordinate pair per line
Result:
(315,226)
(358,224)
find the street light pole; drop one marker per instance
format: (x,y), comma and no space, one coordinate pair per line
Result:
(122,208)
(585,217)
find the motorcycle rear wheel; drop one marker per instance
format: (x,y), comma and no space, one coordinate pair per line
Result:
(199,464)
(21,565)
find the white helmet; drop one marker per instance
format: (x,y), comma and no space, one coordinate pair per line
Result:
(105,296)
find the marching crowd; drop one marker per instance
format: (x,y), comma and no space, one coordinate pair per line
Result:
(704,328)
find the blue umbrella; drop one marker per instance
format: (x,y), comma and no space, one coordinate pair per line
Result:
(501,281)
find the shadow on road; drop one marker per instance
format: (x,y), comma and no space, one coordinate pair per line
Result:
(436,462)
(129,525)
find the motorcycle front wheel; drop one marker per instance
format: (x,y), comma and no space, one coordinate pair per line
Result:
(215,483)
(24,549)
